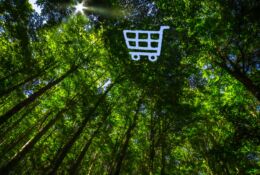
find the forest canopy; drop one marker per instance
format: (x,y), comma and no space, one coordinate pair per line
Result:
(72,101)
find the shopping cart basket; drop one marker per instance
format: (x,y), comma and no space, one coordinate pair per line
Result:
(140,41)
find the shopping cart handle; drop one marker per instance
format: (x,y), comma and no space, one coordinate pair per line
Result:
(164,27)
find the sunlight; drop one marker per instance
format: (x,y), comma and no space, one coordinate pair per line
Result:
(35,7)
(79,8)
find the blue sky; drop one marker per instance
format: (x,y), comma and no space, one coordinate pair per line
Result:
(35,6)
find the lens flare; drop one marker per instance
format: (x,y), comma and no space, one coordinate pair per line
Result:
(108,12)
(79,8)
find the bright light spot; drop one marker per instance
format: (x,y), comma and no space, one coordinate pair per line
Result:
(104,85)
(79,8)
(87,27)
(107,83)
(35,7)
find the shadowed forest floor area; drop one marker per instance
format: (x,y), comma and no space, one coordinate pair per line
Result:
(72,101)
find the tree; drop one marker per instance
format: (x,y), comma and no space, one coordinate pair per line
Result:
(73,102)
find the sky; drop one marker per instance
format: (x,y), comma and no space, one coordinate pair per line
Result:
(35,6)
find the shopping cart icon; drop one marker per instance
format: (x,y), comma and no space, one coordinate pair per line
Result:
(144,43)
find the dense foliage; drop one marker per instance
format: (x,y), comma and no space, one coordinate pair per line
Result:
(73,102)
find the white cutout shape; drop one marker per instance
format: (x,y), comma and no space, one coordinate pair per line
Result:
(143,40)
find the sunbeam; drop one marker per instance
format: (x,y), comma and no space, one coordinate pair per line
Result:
(109,12)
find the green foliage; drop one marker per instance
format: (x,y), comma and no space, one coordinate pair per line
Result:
(73,102)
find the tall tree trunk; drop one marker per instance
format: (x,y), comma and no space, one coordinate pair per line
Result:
(29,79)
(34,96)
(115,149)
(129,133)
(163,157)
(92,163)
(240,76)
(29,145)
(247,82)
(163,145)
(74,168)
(152,145)
(77,163)
(25,134)
(61,154)
(5,131)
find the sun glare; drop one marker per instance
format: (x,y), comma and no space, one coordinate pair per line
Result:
(79,8)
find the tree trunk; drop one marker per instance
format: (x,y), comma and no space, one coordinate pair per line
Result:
(123,151)
(92,163)
(11,89)
(61,154)
(248,83)
(163,157)
(25,134)
(34,96)
(77,163)
(16,123)
(163,144)
(74,168)
(242,78)
(152,145)
(115,149)
(29,145)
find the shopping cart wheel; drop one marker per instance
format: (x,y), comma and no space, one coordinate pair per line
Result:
(152,58)
(135,57)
